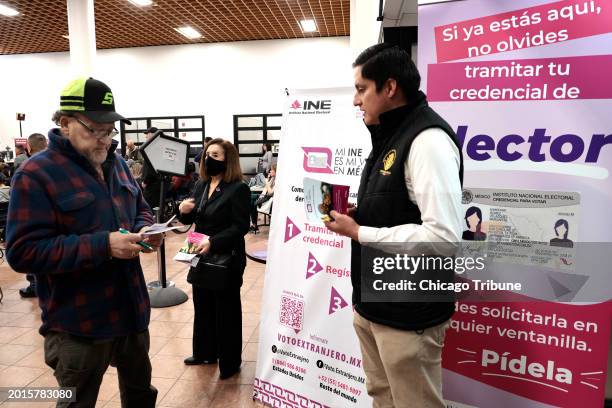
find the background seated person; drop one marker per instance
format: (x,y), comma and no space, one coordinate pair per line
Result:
(5,170)
(132,152)
(182,186)
(5,190)
(136,169)
(265,195)
(264,163)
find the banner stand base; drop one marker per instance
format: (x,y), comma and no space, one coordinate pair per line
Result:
(165,297)
(157,284)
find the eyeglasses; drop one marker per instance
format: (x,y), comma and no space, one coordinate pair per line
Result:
(99,134)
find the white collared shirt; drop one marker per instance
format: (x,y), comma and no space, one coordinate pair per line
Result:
(431,173)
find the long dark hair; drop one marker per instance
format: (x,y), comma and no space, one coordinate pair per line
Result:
(560,223)
(478,235)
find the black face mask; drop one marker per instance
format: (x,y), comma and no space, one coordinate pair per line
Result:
(213,167)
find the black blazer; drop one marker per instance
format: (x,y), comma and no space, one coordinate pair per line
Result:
(225,218)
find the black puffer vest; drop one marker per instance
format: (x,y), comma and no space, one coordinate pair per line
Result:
(383,202)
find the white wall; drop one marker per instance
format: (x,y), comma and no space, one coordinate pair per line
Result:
(365,30)
(217,80)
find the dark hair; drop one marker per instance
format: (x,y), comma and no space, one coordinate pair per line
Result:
(471,211)
(381,62)
(232,161)
(37,142)
(190,167)
(3,179)
(268,147)
(20,148)
(560,223)
(207,139)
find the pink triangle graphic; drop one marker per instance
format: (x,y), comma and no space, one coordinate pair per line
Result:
(291,230)
(313,266)
(336,302)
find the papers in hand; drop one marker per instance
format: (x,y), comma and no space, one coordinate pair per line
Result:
(320,198)
(161,227)
(187,252)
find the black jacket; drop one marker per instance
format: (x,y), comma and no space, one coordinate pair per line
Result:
(152,182)
(225,218)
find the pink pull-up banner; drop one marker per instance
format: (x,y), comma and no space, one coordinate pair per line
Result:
(526,86)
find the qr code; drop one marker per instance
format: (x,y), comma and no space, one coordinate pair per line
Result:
(292,313)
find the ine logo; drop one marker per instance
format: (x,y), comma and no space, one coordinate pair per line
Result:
(317,160)
(310,107)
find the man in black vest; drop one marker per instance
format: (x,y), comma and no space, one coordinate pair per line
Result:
(410,196)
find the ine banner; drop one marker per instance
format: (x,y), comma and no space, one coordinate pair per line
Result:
(308,352)
(526,84)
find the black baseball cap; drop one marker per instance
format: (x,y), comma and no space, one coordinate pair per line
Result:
(152,129)
(91,98)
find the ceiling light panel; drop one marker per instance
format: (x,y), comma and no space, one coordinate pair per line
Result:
(189,32)
(308,26)
(8,11)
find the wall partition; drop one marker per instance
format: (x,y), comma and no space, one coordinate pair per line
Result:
(188,128)
(251,131)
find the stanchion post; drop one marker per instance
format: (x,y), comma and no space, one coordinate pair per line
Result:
(161,253)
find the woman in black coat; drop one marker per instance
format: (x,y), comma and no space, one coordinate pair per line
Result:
(220,209)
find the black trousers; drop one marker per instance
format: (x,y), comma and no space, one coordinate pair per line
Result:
(81,363)
(217,327)
(254,197)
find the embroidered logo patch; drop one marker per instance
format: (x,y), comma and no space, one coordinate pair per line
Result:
(108,99)
(388,162)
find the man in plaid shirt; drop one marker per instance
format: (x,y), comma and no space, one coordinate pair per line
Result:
(67,206)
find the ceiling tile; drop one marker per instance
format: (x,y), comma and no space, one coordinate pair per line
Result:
(119,24)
